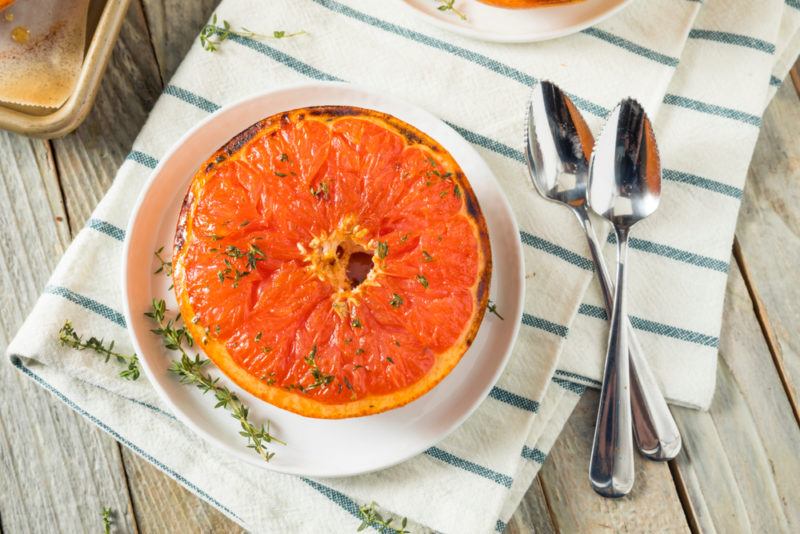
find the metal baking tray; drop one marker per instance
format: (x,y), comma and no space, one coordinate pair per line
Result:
(102,28)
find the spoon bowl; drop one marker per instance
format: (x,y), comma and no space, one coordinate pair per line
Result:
(558,146)
(625,175)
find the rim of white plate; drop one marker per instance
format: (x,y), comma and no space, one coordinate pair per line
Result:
(320,93)
(594,14)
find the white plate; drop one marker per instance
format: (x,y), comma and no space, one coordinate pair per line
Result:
(319,447)
(500,25)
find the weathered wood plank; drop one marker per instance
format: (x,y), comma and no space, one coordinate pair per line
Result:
(162,505)
(171,41)
(533,514)
(87,162)
(652,506)
(739,465)
(768,231)
(89,158)
(56,470)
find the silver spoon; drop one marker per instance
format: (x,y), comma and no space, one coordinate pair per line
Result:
(624,187)
(557,148)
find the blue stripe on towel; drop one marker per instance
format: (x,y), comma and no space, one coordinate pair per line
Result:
(90,304)
(106,228)
(532,453)
(485,472)
(513,399)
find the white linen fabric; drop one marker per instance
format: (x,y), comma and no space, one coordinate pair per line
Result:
(705,72)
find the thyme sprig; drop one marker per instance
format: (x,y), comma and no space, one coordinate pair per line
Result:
(191,371)
(382,249)
(320,378)
(321,191)
(165,266)
(396,301)
(447,5)
(492,307)
(106,515)
(69,338)
(212,35)
(370,517)
(253,254)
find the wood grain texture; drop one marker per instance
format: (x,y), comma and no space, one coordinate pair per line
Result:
(652,506)
(739,463)
(89,158)
(162,505)
(87,162)
(57,471)
(768,231)
(533,514)
(171,41)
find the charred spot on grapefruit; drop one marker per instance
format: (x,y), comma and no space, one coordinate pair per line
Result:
(333,261)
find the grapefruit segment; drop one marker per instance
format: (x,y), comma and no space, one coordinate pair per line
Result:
(332,261)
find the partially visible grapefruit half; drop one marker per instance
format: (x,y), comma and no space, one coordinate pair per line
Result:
(333,261)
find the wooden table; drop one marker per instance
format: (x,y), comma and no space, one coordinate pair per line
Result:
(739,470)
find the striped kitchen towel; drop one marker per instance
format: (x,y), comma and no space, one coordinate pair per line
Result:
(705,71)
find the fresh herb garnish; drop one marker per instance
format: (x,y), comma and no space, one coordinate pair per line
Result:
(359,351)
(321,191)
(283,157)
(231,272)
(280,174)
(492,307)
(427,256)
(456,191)
(389,359)
(211,36)
(396,300)
(191,371)
(69,338)
(382,249)
(106,515)
(254,255)
(320,378)
(422,280)
(166,266)
(355,323)
(372,518)
(447,5)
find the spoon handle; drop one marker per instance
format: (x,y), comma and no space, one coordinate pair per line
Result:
(654,428)
(611,466)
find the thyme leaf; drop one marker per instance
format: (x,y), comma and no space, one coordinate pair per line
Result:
(165,266)
(382,249)
(106,515)
(447,5)
(191,371)
(370,517)
(212,35)
(396,301)
(492,307)
(69,338)
(321,191)
(320,379)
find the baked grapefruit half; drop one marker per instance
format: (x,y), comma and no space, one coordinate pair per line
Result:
(332,261)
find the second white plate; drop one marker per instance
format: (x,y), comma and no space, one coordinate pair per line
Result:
(500,25)
(317,447)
